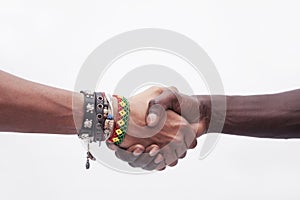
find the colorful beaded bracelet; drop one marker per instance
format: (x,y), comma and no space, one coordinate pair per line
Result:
(122,120)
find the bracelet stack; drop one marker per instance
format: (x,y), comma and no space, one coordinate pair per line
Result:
(98,122)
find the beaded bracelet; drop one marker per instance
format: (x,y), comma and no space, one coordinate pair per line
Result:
(122,119)
(98,123)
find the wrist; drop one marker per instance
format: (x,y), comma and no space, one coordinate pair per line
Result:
(78,110)
(204,103)
(213,112)
(115,107)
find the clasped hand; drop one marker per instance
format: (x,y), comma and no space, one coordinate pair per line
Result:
(163,125)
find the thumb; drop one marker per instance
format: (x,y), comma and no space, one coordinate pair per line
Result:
(156,114)
(158,106)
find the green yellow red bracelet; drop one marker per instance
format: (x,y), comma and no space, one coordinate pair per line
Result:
(121,120)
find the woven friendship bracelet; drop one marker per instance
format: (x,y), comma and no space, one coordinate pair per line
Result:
(122,120)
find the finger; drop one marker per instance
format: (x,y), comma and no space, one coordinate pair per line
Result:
(189,136)
(193,145)
(183,155)
(154,164)
(162,166)
(178,145)
(180,150)
(157,118)
(147,157)
(169,155)
(161,169)
(136,150)
(156,114)
(159,104)
(131,154)
(173,164)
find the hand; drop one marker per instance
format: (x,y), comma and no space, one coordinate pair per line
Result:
(137,156)
(192,108)
(173,137)
(169,98)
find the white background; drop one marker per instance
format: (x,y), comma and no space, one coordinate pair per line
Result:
(254,44)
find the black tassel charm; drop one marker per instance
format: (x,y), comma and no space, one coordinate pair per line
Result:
(88,158)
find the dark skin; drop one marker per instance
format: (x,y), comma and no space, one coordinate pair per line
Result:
(30,107)
(274,116)
(35,108)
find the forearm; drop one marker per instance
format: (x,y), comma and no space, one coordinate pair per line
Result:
(31,107)
(267,116)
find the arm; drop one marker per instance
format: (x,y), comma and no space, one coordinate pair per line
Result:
(34,108)
(31,107)
(264,116)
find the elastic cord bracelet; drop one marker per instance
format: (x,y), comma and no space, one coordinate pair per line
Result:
(122,120)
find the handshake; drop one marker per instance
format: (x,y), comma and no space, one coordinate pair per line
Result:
(154,128)
(163,125)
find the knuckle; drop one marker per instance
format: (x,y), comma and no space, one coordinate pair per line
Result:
(185,128)
(184,125)
(153,102)
(173,88)
(178,139)
(156,89)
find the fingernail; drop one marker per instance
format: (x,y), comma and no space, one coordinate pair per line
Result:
(151,118)
(158,159)
(137,152)
(154,152)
